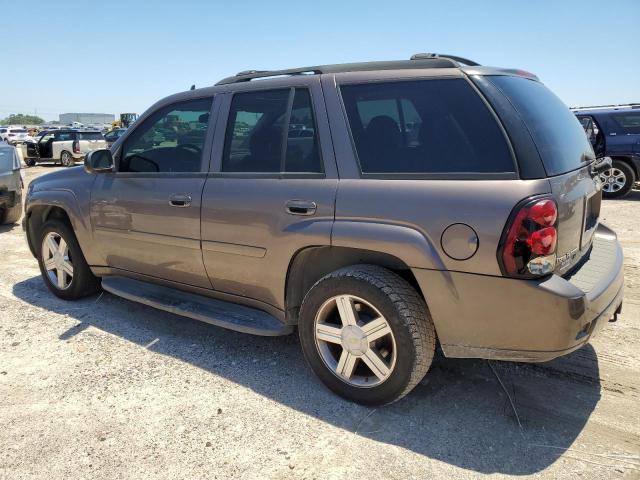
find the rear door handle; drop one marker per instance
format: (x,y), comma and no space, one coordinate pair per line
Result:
(180,200)
(301,207)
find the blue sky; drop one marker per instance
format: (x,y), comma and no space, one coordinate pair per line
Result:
(123,56)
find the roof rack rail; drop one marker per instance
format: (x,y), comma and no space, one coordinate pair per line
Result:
(419,60)
(247,75)
(455,58)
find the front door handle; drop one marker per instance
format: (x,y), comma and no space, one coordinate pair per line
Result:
(180,200)
(301,207)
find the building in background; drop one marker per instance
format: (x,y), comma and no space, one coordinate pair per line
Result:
(86,118)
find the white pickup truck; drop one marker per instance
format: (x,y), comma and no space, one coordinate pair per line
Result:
(64,146)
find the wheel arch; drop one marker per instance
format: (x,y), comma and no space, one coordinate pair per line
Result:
(629,161)
(312,263)
(56,204)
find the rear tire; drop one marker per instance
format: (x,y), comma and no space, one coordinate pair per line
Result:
(617,181)
(75,279)
(66,159)
(389,350)
(11,215)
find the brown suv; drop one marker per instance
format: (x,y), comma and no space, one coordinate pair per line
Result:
(376,206)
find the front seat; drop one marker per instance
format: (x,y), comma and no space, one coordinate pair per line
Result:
(265,147)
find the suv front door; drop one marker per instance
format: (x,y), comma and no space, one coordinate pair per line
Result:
(272,186)
(146,215)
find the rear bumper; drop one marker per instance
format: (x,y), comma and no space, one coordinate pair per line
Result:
(532,321)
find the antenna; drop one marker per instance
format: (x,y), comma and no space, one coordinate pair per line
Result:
(193,87)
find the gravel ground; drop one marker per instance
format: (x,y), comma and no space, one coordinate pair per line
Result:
(107,388)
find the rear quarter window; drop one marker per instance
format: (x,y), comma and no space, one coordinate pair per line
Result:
(433,126)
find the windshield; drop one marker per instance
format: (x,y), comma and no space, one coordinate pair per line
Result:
(556,131)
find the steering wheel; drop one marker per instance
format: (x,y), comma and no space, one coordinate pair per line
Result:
(144,159)
(190,146)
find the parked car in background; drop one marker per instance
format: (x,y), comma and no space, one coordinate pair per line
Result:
(477,225)
(113,135)
(615,133)
(64,146)
(10,185)
(14,135)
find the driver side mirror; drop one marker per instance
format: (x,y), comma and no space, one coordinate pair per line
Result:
(99,161)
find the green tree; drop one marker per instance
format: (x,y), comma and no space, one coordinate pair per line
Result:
(21,119)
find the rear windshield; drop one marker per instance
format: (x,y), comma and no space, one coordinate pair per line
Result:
(18,130)
(556,131)
(90,136)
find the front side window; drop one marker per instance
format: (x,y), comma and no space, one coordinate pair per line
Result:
(425,126)
(271,131)
(170,140)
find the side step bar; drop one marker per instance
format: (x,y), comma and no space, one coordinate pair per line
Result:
(216,312)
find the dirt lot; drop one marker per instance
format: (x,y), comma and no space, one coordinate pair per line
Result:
(106,388)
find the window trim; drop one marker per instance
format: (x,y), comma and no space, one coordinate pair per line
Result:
(515,175)
(273,175)
(206,148)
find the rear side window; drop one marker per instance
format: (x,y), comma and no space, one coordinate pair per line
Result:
(271,131)
(556,131)
(90,136)
(423,127)
(629,122)
(64,136)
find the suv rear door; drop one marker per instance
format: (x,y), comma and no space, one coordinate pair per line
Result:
(271,189)
(146,214)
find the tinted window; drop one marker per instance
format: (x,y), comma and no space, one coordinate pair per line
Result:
(64,136)
(170,140)
(426,126)
(629,122)
(556,131)
(18,130)
(258,121)
(90,136)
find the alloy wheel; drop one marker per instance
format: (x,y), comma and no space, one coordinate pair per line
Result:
(57,260)
(613,180)
(355,341)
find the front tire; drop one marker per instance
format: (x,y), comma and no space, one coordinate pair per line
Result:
(618,180)
(62,264)
(66,159)
(367,334)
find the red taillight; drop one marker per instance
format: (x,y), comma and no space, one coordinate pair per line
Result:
(529,243)
(543,242)
(76,146)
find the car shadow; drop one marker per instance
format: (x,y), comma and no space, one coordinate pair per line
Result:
(7,227)
(460,413)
